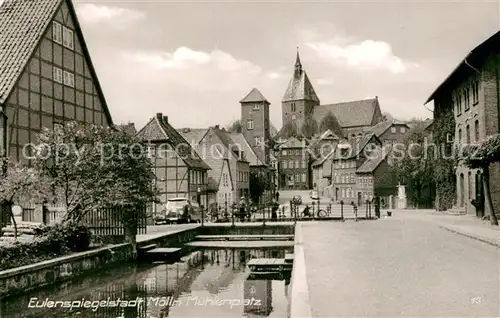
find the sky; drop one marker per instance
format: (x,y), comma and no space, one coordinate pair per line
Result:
(195,60)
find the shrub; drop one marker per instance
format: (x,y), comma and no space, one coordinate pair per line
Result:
(20,254)
(74,236)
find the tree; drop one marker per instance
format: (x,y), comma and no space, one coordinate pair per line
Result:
(289,130)
(235,127)
(97,168)
(481,156)
(259,182)
(416,165)
(330,122)
(309,127)
(19,184)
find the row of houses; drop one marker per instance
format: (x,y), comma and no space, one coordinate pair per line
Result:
(47,78)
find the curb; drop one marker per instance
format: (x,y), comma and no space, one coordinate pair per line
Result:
(495,243)
(300,304)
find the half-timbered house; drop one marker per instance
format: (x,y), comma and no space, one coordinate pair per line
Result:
(46,74)
(179,170)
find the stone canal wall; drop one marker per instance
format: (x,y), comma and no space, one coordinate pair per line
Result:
(22,279)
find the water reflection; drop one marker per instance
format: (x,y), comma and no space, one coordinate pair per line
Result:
(205,283)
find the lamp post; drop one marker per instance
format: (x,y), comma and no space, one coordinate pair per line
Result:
(198,197)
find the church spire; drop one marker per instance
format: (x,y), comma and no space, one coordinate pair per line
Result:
(298,65)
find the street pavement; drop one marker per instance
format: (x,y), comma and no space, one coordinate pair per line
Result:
(403,266)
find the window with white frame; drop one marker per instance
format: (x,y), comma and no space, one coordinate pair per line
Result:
(297,164)
(402,130)
(290,164)
(303,164)
(293,107)
(304,177)
(256,106)
(69,79)
(297,178)
(285,164)
(250,125)
(68,38)
(284,152)
(343,192)
(393,130)
(57,74)
(57,32)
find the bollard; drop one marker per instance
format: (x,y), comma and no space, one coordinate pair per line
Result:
(264,216)
(232,218)
(369,209)
(342,210)
(202,217)
(366,212)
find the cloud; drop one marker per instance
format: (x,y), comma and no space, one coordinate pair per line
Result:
(114,16)
(367,54)
(273,75)
(184,58)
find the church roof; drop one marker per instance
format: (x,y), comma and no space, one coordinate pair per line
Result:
(300,88)
(350,114)
(22,25)
(255,96)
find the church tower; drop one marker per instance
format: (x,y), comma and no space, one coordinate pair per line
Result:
(300,97)
(255,122)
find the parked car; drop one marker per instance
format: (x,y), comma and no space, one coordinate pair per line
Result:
(182,210)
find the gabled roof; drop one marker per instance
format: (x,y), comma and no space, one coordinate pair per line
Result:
(383,126)
(355,146)
(231,146)
(374,160)
(22,26)
(350,114)
(469,64)
(159,130)
(254,156)
(292,143)
(193,135)
(225,163)
(255,96)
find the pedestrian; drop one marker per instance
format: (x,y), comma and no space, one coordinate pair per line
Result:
(274,211)
(242,209)
(277,196)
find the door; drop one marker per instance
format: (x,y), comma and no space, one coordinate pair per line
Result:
(462,190)
(336,194)
(479,195)
(360,199)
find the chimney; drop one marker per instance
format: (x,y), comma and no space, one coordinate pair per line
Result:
(217,127)
(376,97)
(165,119)
(159,116)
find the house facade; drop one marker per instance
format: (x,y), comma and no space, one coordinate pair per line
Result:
(220,152)
(179,170)
(470,92)
(323,150)
(225,192)
(293,159)
(390,131)
(376,177)
(46,74)
(347,159)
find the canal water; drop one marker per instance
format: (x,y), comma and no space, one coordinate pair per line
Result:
(203,283)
